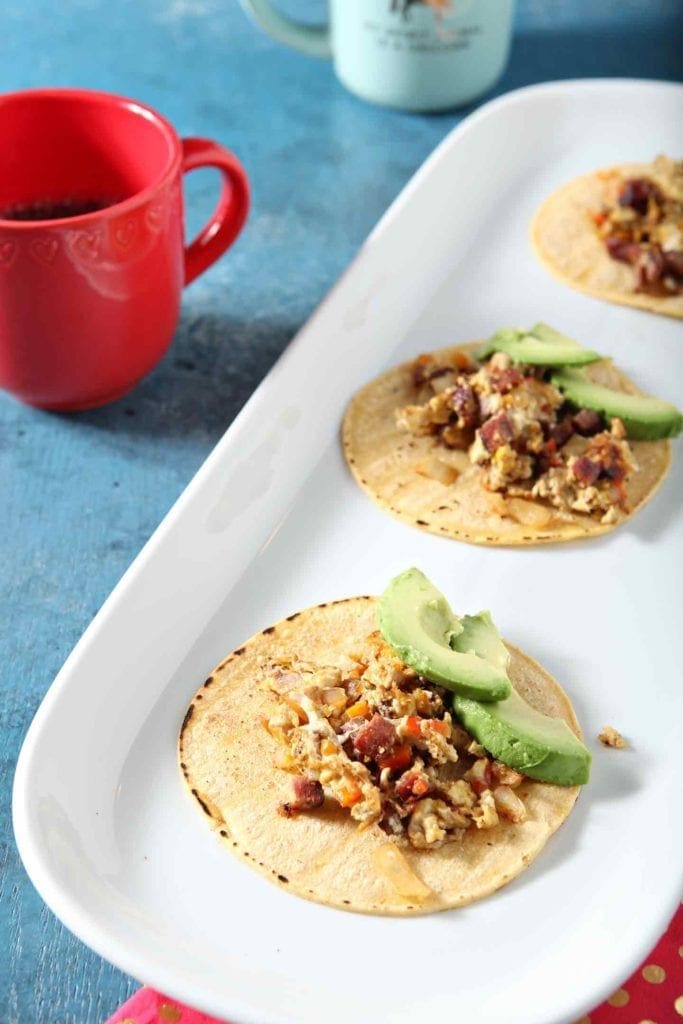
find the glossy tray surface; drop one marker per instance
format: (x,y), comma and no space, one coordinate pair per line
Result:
(273,522)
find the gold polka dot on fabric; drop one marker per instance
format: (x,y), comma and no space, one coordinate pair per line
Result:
(654,974)
(648,1021)
(168,1012)
(620,998)
(678,1006)
(128,1020)
(584,1020)
(680,950)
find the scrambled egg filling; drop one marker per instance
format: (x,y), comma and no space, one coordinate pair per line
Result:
(517,428)
(641,223)
(376,738)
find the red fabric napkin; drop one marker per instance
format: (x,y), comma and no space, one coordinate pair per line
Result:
(652,995)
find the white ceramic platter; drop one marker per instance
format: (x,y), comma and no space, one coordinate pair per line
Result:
(273,522)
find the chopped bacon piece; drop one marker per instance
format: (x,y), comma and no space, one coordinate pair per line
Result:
(308,794)
(623,249)
(412,786)
(586,471)
(636,193)
(587,422)
(496,432)
(561,433)
(465,403)
(673,264)
(610,460)
(506,380)
(376,738)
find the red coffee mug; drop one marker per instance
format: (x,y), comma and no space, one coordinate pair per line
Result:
(89,301)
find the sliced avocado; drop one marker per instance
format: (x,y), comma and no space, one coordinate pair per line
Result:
(645,418)
(504,339)
(541,346)
(541,747)
(416,620)
(479,635)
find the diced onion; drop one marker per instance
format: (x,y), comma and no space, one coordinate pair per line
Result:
(391,863)
(497,504)
(508,804)
(529,513)
(297,709)
(435,469)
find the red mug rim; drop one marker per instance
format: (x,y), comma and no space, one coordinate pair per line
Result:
(105,98)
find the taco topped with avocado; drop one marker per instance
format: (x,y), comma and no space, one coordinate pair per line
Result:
(618,234)
(384,756)
(525,439)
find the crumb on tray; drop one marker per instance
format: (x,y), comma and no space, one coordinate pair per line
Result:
(609,737)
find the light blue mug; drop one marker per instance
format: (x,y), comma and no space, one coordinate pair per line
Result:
(410,54)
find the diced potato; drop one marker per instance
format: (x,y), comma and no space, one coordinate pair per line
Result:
(496,503)
(529,513)
(435,469)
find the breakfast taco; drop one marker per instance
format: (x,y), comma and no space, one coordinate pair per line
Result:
(383,756)
(527,439)
(618,234)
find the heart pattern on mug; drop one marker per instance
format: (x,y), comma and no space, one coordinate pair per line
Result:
(44,250)
(8,251)
(87,244)
(154,216)
(125,233)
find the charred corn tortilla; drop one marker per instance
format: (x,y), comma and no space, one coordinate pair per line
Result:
(566,242)
(228,762)
(389,464)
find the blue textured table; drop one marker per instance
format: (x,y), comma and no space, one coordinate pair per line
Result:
(81,493)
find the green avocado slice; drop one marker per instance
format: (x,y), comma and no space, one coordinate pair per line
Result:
(523,738)
(540,346)
(478,635)
(416,620)
(541,747)
(645,418)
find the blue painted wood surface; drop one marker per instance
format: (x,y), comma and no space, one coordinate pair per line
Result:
(81,493)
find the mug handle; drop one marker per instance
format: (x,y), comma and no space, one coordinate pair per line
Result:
(311,39)
(228,218)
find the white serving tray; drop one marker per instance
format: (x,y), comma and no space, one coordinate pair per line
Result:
(273,522)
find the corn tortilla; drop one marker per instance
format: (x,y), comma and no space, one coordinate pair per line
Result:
(228,762)
(389,464)
(565,241)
